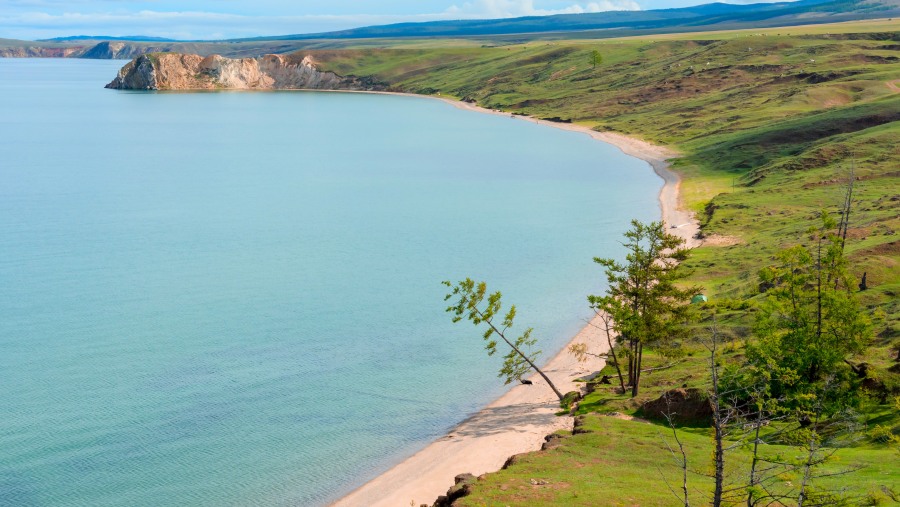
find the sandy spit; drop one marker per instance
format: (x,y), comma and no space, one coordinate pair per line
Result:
(518,421)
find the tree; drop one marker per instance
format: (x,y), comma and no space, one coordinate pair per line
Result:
(721,417)
(816,443)
(846,207)
(741,407)
(596,58)
(471,301)
(648,309)
(810,322)
(680,459)
(798,370)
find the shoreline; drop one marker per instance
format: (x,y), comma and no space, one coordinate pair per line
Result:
(514,423)
(518,420)
(681,222)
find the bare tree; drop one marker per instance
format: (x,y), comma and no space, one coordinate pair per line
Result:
(719,419)
(825,437)
(740,411)
(844,223)
(680,459)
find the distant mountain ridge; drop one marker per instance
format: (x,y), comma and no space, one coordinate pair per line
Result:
(128,38)
(707,17)
(693,18)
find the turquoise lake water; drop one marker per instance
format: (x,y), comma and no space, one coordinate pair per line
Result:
(219,299)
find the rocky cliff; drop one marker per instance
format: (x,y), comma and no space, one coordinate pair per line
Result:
(41,52)
(105,50)
(173,71)
(110,50)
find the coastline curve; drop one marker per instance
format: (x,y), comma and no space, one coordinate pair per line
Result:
(517,421)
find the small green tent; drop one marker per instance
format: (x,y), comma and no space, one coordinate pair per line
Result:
(699,298)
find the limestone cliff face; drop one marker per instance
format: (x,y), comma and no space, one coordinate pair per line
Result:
(173,71)
(138,74)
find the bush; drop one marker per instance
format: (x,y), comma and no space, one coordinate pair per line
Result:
(881,434)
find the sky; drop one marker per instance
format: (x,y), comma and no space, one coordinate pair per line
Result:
(218,19)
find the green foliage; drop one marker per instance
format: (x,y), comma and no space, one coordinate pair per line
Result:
(475,304)
(569,399)
(809,323)
(881,434)
(647,306)
(596,58)
(471,301)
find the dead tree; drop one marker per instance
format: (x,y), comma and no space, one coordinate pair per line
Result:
(680,460)
(719,420)
(845,208)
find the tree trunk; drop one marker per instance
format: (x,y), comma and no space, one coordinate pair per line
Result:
(534,367)
(720,466)
(718,421)
(637,371)
(525,357)
(612,350)
(755,461)
(631,362)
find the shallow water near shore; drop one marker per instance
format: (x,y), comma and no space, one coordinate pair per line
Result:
(234,298)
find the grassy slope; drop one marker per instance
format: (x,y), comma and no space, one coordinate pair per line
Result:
(768,122)
(624,462)
(627,463)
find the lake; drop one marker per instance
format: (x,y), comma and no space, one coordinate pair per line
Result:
(219,299)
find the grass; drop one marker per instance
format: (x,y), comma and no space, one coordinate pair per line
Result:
(628,462)
(868,26)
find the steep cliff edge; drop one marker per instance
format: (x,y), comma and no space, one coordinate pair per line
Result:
(172,71)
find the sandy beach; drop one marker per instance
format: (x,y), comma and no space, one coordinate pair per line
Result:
(518,421)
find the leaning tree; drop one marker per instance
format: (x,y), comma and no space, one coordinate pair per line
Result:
(471,301)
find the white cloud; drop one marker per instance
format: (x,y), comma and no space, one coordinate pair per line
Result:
(514,8)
